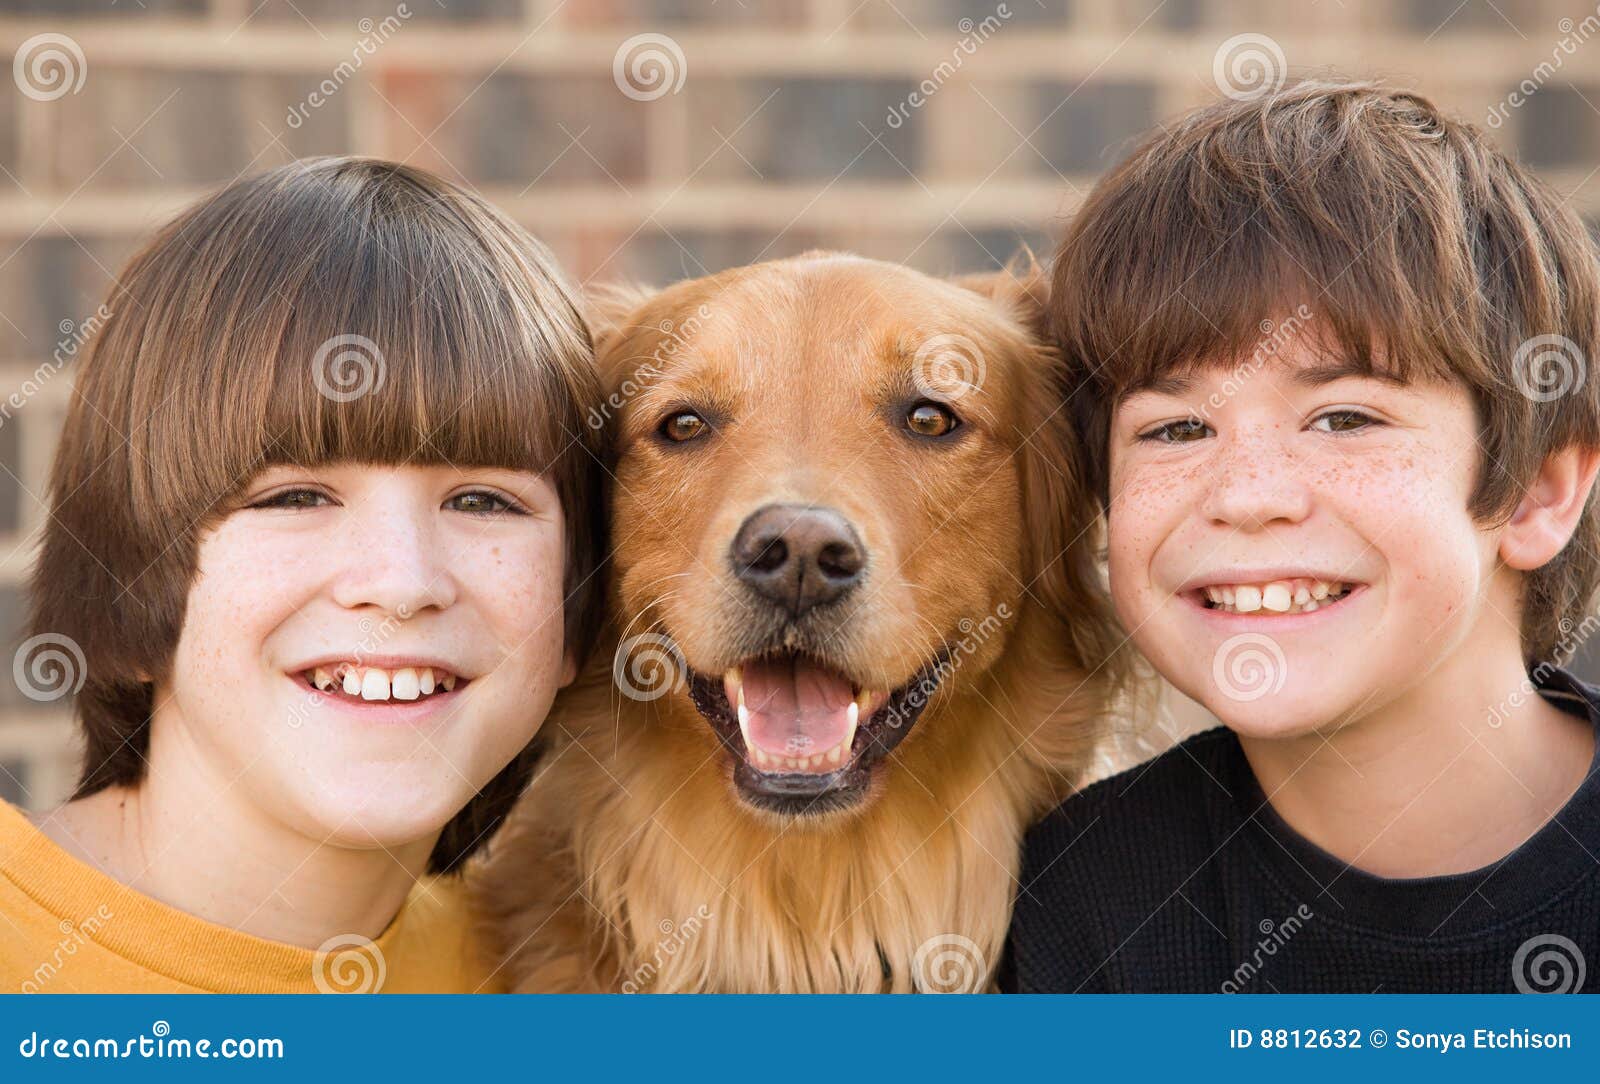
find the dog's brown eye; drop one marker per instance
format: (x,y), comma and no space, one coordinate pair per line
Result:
(684,426)
(930,420)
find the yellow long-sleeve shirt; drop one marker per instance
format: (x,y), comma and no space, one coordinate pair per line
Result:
(66,927)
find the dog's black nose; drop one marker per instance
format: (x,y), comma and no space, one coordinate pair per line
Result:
(797,556)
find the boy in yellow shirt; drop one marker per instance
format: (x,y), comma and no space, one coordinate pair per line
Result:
(324,532)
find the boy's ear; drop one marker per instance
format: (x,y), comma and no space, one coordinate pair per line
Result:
(1550,509)
(569,668)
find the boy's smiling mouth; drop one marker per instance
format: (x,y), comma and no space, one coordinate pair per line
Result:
(362,683)
(1281,596)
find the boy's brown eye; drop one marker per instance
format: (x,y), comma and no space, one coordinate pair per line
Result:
(683,426)
(1345,421)
(1184,432)
(929,419)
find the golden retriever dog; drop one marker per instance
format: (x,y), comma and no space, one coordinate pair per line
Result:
(859,643)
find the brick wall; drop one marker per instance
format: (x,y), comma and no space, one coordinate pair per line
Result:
(778,139)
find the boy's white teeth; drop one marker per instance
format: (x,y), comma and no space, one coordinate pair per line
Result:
(1276,596)
(371,683)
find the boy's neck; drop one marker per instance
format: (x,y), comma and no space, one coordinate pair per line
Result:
(202,847)
(1449,777)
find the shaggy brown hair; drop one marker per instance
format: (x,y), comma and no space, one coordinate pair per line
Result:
(215,364)
(1420,251)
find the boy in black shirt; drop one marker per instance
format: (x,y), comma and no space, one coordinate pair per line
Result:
(1328,351)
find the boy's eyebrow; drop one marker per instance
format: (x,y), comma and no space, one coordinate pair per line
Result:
(1164,384)
(1314,376)
(1311,376)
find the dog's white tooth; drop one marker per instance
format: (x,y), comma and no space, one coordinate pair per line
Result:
(744,726)
(816,760)
(836,754)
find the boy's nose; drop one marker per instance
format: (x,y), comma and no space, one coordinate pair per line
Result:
(1258,483)
(394,561)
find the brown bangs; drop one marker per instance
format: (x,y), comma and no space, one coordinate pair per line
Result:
(365,322)
(1215,241)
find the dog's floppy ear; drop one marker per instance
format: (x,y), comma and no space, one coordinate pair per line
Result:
(1022,287)
(1063,548)
(607,307)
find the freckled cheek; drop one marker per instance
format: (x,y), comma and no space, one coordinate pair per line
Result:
(1412,511)
(244,590)
(521,588)
(1145,511)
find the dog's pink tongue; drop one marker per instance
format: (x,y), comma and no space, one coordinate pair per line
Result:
(796,709)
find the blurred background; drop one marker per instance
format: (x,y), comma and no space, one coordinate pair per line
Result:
(658,139)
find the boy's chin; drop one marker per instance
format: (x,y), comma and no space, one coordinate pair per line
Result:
(1276,716)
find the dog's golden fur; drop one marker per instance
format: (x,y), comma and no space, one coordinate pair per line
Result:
(632,862)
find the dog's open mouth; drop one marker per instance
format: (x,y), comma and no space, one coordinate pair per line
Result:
(803,736)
